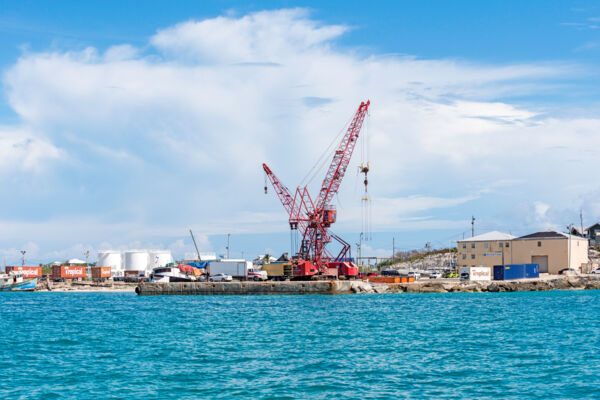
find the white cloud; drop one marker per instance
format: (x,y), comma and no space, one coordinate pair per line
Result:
(21,150)
(173,135)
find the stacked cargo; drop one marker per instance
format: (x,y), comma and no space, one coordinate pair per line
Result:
(516,271)
(64,272)
(28,272)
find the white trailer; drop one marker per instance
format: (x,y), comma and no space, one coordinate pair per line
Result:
(475,274)
(238,269)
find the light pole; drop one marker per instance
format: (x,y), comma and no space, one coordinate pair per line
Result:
(228,236)
(360,238)
(23,257)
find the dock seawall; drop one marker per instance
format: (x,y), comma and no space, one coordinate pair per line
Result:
(249,288)
(346,287)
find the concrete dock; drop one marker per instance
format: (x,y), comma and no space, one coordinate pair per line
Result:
(333,287)
(251,288)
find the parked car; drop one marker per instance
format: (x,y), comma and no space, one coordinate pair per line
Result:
(435,275)
(220,278)
(414,274)
(568,271)
(596,271)
(390,272)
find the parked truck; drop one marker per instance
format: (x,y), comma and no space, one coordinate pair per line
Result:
(279,271)
(238,269)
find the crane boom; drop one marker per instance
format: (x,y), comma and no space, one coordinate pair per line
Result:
(341,158)
(282,192)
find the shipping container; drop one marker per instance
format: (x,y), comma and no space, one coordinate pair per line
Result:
(99,273)
(28,272)
(61,272)
(510,272)
(475,274)
(132,274)
(532,271)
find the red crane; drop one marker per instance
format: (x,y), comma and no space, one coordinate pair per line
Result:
(313,219)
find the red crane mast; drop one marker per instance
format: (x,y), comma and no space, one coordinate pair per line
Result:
(312,220)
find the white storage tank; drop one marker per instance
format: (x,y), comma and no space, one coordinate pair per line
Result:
(112,259)
(159,258)
(136,260)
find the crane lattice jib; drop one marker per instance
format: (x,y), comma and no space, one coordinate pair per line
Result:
(341,158)
(282,192)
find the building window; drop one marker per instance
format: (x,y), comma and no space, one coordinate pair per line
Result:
(501,245)
(507,244)
(472,256)
(464,245)
(485,245)
(464,256)
(472,245)
(539,244)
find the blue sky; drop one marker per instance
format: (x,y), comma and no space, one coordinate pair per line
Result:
(123,124)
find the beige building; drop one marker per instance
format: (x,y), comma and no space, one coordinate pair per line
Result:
(487,250)
(552,250)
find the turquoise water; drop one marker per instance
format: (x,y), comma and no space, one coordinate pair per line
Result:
(504,345)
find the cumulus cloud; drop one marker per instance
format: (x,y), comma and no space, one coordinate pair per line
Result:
(23,151)
(173,134)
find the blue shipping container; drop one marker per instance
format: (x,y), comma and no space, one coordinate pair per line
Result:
(532,271)
(511,271)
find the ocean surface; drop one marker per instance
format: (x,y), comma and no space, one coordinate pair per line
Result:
(488,345)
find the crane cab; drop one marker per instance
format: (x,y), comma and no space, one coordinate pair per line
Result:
(329,216)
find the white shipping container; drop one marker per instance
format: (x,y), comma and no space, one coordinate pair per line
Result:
(475,274)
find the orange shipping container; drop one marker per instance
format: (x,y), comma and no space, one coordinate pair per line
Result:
(101,272)
(68,272)
(28,272)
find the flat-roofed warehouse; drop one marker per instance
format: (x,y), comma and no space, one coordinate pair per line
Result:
(552,250)
(486,250)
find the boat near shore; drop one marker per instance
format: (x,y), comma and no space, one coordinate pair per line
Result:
(14,282)
(171,273)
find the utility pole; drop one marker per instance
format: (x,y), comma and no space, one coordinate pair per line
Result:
(23,257)
(228,237)
(472,226)
(581,220)
(570,228)
(393,249)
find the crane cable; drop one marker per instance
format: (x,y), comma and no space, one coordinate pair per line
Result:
(323,157)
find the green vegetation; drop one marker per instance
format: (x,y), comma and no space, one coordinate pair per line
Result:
(414,255)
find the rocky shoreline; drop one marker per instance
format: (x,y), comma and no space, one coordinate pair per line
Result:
(588,282)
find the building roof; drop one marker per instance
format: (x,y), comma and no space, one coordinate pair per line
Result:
(549,235)
(490,236)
